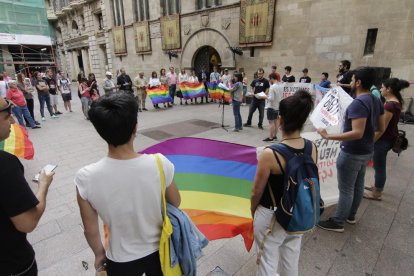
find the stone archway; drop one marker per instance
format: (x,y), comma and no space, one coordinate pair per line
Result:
(207,37)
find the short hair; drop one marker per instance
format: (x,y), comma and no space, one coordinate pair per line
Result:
(273,76)
(288,68)
(1,77)
(325,74)
(36,73)
(115,117)
(295,110)
(305,70)
(260,69)
(366,75)
(346,63)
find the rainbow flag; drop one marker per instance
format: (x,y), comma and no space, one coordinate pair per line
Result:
(217,91)
(215,180)
(18,143)
(159,94)
(192,90)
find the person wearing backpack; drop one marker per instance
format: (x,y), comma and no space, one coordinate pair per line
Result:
(363,118)
(276,235)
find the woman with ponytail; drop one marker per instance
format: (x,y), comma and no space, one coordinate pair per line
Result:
(391,91)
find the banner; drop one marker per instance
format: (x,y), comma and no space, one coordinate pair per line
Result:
(159,94)
(192,90)
(118,33)
(170,32)
(142,37)
(218,91)
(331,109)
(287,89)
(256,22)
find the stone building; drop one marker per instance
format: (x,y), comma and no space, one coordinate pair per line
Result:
(143,35)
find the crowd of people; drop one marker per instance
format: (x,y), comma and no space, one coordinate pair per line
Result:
(370,129)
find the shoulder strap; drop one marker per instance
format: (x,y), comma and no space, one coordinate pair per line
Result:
(308,147)
(161,171)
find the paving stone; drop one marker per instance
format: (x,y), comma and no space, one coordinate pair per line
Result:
(400,237)
(394,262)
(44,231)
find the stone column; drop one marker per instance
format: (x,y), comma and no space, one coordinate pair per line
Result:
(86,63)
(76,68)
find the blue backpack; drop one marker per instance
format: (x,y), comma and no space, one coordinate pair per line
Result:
(300,206)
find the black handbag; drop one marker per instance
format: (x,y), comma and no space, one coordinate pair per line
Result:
(401,143)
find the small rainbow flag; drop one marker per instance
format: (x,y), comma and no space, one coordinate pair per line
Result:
(217,91)
(192,90)
(18,143)
(159,94)
(215,180)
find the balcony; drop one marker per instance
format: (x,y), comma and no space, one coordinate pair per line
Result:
(66,9)
(51,16)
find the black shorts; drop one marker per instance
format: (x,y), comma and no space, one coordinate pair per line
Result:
(66,97)
(272,114)
(150,265)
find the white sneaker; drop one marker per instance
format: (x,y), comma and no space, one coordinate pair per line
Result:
(43,119)
(54,116)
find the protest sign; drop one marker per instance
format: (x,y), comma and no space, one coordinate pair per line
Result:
(287,89)
(330,111)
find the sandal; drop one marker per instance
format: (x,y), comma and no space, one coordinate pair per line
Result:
(373,195)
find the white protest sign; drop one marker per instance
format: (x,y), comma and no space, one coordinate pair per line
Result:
(287,89)
(331,109)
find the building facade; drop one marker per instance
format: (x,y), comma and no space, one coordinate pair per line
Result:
(26,43)
(143,35)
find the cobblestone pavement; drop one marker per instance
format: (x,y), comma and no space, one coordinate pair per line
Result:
(381,243)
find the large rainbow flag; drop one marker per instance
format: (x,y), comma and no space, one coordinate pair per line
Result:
(217,91)
(159,94)
(192,90)
(215,180)
(18,143)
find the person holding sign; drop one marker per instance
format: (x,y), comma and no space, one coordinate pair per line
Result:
(363,118)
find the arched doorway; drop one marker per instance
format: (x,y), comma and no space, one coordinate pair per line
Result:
(207,57)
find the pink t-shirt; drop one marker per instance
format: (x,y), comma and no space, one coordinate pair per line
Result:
(171,78)
(16,96)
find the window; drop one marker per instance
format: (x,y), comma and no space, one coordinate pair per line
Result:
(141,9)
(118,12)
(99,21)
(370,41)
(202,4)
(170,7)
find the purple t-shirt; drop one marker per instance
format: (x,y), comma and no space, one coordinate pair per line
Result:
(364,106)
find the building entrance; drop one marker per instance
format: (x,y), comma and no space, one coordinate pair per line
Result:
(207,57)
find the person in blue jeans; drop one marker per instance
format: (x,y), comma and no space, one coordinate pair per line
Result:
(363,117)
(44,96)
(391,91)
(258,85)
(237,98)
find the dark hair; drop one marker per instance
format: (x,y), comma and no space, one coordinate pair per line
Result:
(153,73)
(114,117)
(396,85)
(346,63)
(295,110)
(325,74)
(161,71)
(366,75)
(305,70)
(83,79)
(260,69)
(1,77)
(36,73)
(239,77)
(288,68)
(273,76)
(91,75)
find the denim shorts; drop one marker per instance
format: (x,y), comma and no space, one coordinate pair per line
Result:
(272,114)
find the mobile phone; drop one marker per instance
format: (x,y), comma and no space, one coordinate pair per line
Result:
(48,168)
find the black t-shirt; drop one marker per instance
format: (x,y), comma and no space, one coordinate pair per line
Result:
(305,79)
(259,85)
(52,85)
(125,82)
(42,82)
(290,78)
(16,253)
(345,78)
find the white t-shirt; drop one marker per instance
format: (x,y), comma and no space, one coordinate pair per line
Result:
(64,85)
(3,89)
(274,97)
(127,196)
